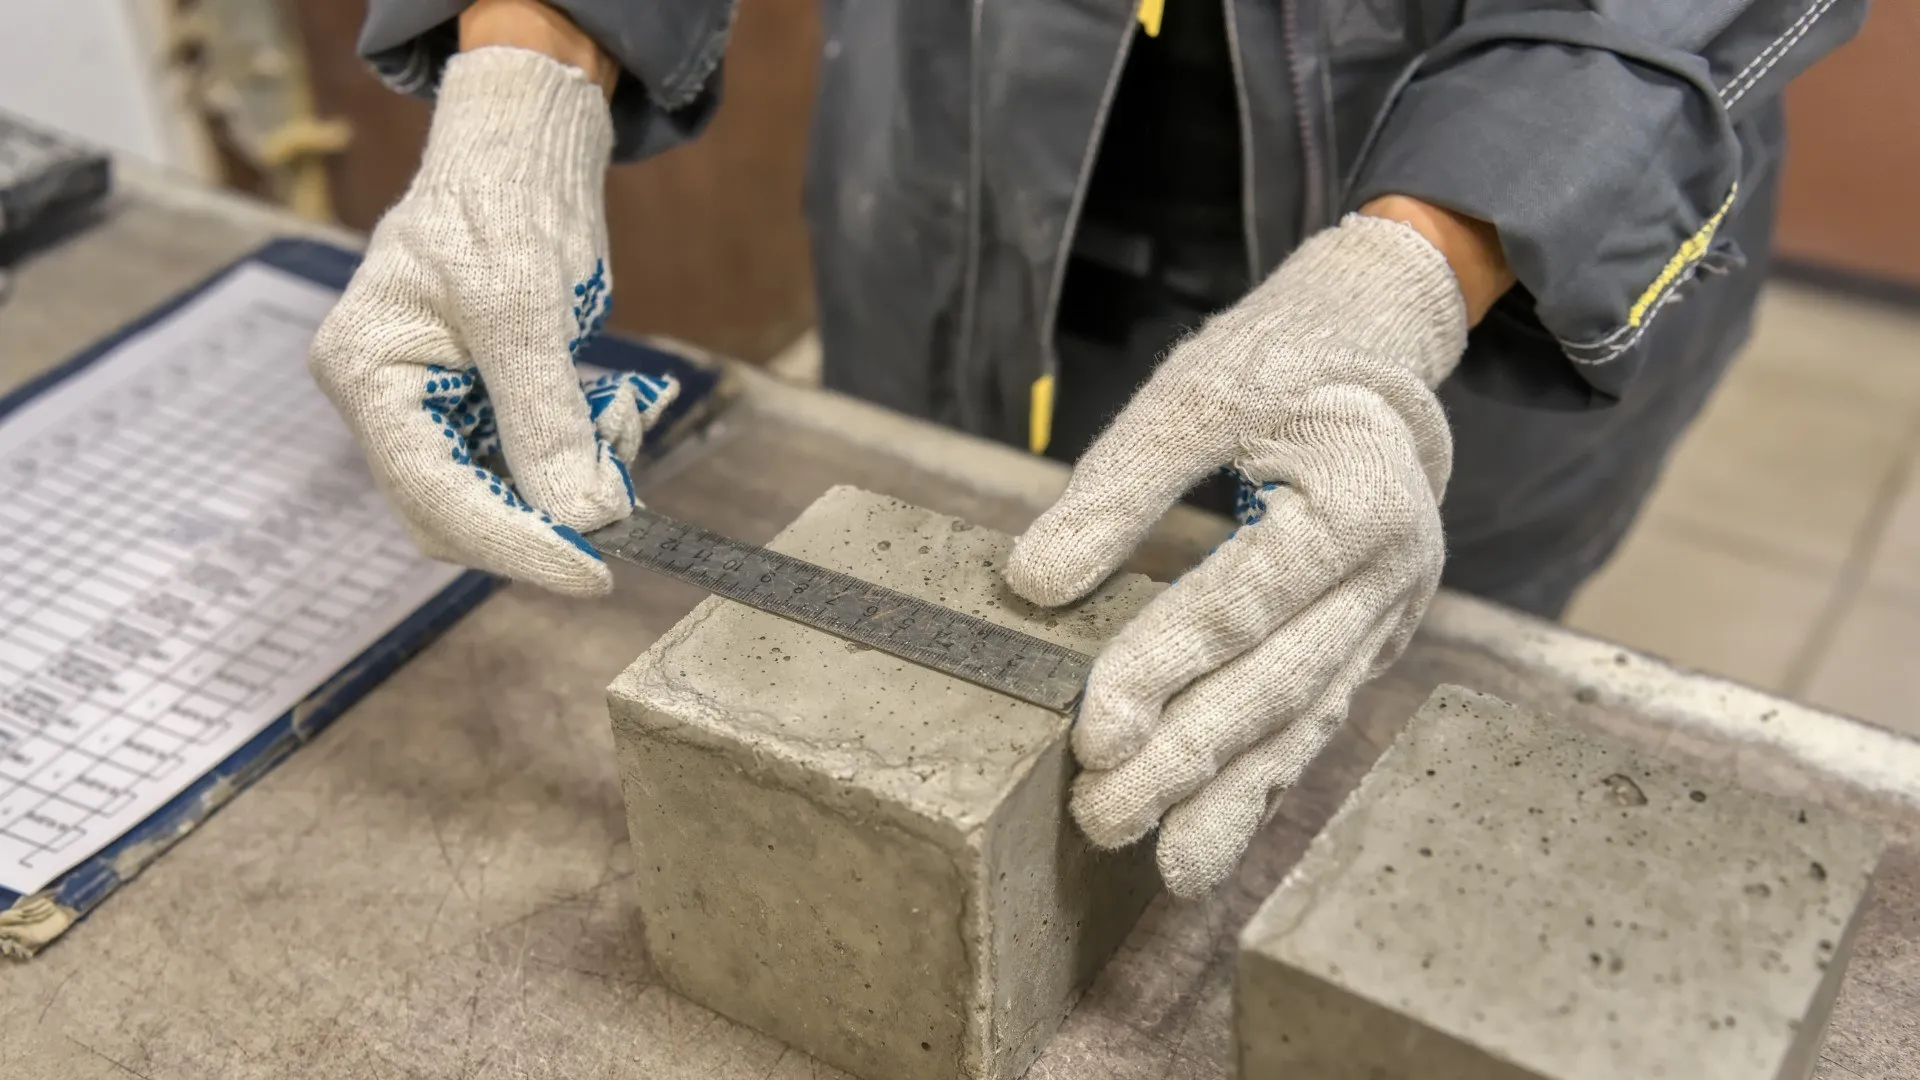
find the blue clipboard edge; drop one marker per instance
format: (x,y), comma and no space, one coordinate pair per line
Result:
(29,923)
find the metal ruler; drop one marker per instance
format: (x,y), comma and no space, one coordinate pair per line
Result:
(1016,664)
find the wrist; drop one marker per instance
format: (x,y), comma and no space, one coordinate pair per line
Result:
(537,27)
(519,123)
(1377,286)
(1470,246)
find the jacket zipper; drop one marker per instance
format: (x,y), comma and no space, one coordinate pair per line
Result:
(1249,195)
(1040,412)
(1313,193)
(964,362)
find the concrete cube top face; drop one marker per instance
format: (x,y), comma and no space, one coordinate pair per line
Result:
(850,722)
(1569,905)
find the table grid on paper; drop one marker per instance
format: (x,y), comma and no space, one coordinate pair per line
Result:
(189,544)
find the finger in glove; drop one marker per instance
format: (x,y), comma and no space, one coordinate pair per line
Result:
(1228,710)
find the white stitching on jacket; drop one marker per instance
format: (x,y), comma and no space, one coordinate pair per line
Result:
(1801,25)
(1733,91)
(1615,352)
(1805,24)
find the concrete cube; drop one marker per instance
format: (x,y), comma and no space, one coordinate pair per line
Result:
(859,856)
(1506,896)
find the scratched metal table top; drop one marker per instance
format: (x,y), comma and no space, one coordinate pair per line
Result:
(438,886)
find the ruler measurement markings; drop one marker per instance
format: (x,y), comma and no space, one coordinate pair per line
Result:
(900,625)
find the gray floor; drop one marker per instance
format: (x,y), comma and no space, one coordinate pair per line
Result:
(1782,547)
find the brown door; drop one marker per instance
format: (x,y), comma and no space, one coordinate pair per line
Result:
(708,243)
(1851,195)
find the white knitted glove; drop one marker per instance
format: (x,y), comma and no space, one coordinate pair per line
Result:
(456,338)
(1315,388)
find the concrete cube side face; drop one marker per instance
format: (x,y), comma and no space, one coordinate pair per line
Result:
(1562,901)
(1058,908)
(864,858)
(1288,1023)
(835,935)
(1811,1037)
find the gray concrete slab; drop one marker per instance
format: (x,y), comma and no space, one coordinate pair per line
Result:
(441,886)
(1507,895)
(866,859)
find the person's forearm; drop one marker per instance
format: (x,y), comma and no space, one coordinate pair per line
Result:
(530,24)
(1471,246)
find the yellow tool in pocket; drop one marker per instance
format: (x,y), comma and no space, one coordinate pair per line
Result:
(1040,414)
(1150,16)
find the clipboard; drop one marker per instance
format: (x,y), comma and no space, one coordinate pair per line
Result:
(30,921)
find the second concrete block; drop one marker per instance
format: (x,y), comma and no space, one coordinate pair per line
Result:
(866,859)
(1509,896)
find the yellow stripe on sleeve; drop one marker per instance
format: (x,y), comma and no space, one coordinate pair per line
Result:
(1689,253)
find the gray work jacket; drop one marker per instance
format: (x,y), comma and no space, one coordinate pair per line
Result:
(1610,141)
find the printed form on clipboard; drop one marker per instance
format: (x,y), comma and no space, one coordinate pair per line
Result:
(190,545)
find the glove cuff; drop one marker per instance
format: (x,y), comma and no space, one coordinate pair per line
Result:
(1385,286)
(520,122)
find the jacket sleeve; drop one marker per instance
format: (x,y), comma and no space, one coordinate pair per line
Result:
(1600,139)
(669,53)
